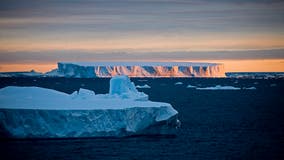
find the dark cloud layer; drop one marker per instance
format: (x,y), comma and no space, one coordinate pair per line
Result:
(55,56)
(98,20)
(123,15)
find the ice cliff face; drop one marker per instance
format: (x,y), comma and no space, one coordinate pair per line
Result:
(135,69)
(32,112)
(38,123)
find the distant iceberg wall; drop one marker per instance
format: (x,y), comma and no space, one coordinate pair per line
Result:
(136,69)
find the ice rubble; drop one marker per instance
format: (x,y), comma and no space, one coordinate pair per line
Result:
(33,112)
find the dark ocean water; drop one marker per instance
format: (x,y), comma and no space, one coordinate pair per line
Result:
(219,124)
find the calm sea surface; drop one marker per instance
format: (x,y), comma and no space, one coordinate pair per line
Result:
(218,124)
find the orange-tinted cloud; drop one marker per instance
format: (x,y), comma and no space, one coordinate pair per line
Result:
(140,42)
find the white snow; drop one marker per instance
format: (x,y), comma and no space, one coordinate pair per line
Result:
(143,86)
(43,113)
(190,86)
(219,87)
(178,83)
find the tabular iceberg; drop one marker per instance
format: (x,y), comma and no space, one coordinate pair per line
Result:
(138,69)
(32,112)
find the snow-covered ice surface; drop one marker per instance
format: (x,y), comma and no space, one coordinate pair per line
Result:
(33,112)
(219,87)
(138,69)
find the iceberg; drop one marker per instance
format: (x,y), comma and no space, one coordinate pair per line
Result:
(122,87)
(33,112)
(137,69)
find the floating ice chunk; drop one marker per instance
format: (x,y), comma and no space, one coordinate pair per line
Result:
(122,87)
(190,86)
(249,88)
(143,86)
(178,83)
(219,87)
(33,112)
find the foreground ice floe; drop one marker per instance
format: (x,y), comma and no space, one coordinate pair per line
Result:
(178,83)
(33,112)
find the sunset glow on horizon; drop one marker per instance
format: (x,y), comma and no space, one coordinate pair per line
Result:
(264,65)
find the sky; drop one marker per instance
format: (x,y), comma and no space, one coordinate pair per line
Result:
(245,35)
